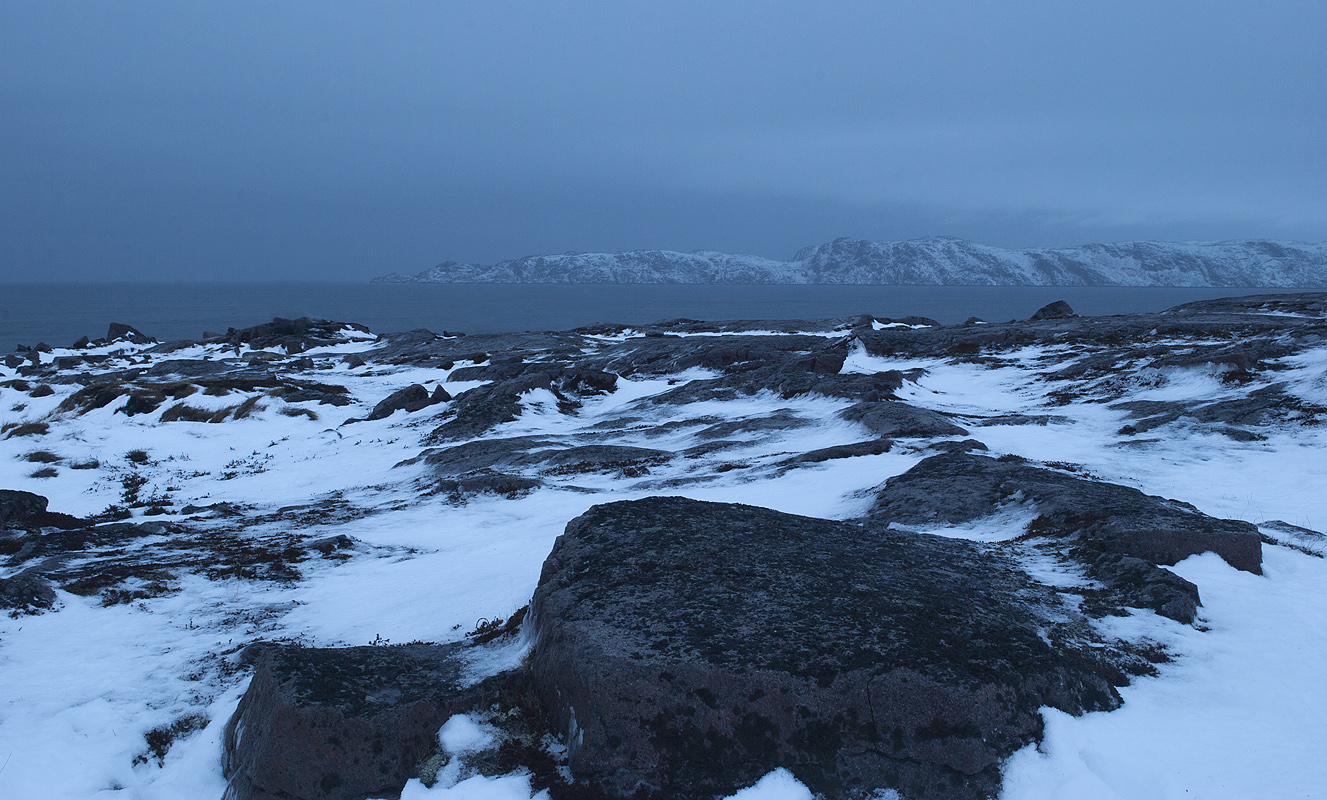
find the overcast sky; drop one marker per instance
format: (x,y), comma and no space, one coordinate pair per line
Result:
(324,140)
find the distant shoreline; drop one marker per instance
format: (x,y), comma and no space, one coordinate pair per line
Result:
(937,261)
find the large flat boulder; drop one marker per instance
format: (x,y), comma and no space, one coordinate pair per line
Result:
(687,648)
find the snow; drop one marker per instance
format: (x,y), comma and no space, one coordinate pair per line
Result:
(880,326)
(478,787)
(778,785)
(1239,713)
(463,734)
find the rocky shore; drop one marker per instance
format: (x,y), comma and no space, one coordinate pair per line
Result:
(661,561)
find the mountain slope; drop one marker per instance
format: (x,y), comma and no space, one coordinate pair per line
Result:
(934,261)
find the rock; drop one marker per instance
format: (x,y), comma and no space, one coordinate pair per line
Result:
(93,396)
(294,335)
(410,399)
(483,407)
(328,545)
(20,508)
(1259,407)
(28,511)
(961,446)
(787,384)
(142,403)
(1096,519)
(352,360)
(81,344)
(1023,419)
(120,332)
(871,447)
(27,592)
(601,457)
(1147,585)
(780,420)
(220,509)
(12,361)
(11,540)
(73,536)
(483,454)
(487,481)
(825,362)
(1057,310)
(475,460)
(688,648)
(340,723)
(895,419)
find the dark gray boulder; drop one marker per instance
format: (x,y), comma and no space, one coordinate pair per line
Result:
(823,362)
(484,454)
(476,411)
(687,648)
(120,332)
(17,508)
(295,335)
(598,457)
(786,384)
(1267,405)
(780,420)
(27,592)
(1145,585)
(895,419)
(28,511)
(486,481)
(410,399)
(481,466)
(1056,310)
(340,723)
(1100,522)
(479,409)
(871,447)
(960,446)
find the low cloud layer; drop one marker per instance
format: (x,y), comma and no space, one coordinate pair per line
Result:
(305,141)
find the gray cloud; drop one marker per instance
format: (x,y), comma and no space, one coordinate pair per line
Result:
(301,140)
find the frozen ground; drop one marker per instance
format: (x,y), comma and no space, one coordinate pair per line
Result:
(1240,712)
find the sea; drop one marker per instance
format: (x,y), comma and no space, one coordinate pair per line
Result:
(59,314)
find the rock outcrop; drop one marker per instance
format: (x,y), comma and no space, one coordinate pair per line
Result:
(894,419)
(687,648)
(410,399)
(1118,533)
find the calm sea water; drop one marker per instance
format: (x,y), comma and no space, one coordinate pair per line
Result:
(61,313)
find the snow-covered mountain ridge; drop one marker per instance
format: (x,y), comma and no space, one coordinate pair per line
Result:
(934,261)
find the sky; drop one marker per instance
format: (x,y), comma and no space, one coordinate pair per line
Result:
(148,141)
